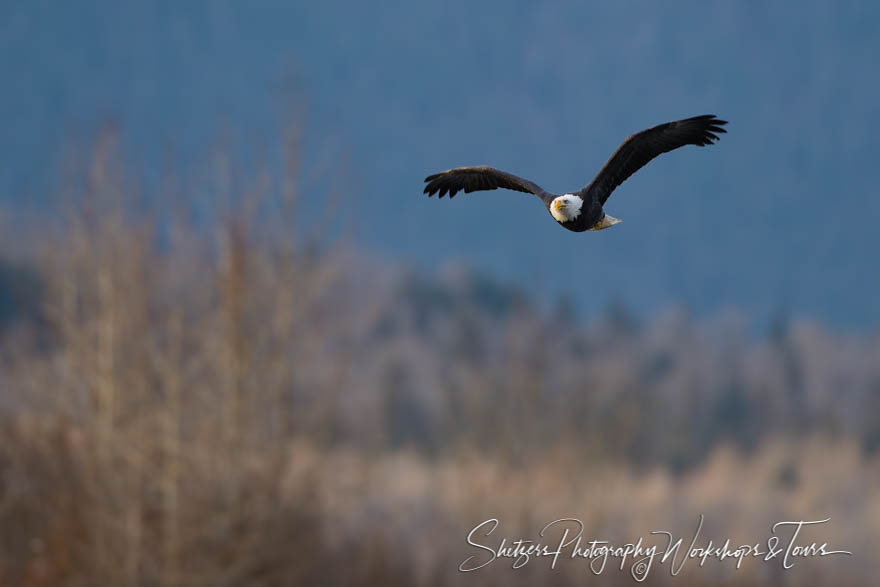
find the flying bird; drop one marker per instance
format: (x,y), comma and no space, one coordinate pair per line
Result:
(583,210)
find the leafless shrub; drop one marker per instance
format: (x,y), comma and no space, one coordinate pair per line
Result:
(237,401)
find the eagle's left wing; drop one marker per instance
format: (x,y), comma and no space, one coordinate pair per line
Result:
(638,149)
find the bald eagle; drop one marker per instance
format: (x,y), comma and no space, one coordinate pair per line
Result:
(583,210)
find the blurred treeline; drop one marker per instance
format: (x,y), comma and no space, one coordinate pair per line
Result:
(232,397)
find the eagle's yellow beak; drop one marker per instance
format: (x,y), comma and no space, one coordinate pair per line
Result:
(560,204)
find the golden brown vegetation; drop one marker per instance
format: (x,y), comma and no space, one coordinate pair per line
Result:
(233,402)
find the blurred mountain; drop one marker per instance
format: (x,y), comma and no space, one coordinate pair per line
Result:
(780,213)
(21,292)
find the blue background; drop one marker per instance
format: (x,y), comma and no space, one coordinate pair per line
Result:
(781,215)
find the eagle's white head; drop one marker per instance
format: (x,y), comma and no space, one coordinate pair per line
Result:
(566,207)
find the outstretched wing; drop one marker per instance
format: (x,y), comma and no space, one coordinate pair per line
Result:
(481,177)
(638,149)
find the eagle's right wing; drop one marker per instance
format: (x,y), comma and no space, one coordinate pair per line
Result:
(481,177)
